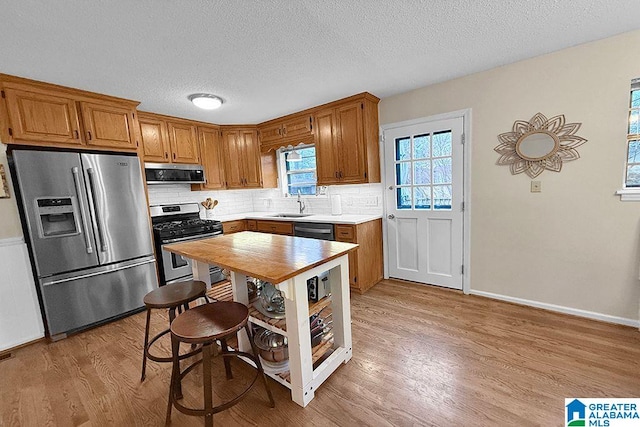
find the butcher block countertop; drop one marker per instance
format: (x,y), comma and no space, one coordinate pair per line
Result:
(269,257)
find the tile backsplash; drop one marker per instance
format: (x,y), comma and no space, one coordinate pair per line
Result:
(355,199)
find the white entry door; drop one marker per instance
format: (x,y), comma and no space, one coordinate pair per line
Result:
(424,175)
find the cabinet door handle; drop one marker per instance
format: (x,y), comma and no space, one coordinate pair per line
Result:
(76,134)
(174,156)
(166,155)
(336,174)
(340,174)
(89,134)
(284,131)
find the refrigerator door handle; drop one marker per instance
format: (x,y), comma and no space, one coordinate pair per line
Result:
(85,227)
(99,221)
(98,273)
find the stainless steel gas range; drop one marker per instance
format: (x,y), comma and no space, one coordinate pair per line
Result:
(180,223)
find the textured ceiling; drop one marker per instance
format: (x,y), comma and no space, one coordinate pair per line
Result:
(268,58)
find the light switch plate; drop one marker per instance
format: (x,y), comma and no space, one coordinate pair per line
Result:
(536,186)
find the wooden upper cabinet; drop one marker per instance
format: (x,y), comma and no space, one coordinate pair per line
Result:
(108,125)
(326,154)
(169,140)
(242,159)
(212,158)
(297,127)
(346,138)
(41,117)
(44,114)
(270,133)
(183,138)
(251,159)
(290,130)
(155,138)
(232,148)
(350,143)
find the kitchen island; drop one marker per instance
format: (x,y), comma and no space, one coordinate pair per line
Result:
(287,262)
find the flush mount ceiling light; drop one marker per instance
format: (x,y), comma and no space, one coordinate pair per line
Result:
(206,101)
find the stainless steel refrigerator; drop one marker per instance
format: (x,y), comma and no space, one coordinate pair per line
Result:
(88,234)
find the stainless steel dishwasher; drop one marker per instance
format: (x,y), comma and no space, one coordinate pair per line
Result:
(313,230)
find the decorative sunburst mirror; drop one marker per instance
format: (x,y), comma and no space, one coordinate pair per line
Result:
(539,144)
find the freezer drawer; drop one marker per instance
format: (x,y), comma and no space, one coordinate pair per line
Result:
(73,301)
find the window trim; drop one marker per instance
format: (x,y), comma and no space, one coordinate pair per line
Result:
(630,194)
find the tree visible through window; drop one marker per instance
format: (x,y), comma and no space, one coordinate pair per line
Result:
(423,171)
(632,176)
(301,175)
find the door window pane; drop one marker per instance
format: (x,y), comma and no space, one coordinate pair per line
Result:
(421,146)
(441,142)
(422,172)
(403,198)
(403,173)
(403,148)
(442,170)
(442,197)
(422,197)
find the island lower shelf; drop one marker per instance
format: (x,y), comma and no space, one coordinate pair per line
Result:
(223,292)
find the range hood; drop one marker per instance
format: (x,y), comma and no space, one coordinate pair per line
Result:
(172,173)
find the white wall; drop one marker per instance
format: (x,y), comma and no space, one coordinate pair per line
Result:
(20,318)
(575,244)
(9,219)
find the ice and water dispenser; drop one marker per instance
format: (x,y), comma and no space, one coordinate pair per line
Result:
(57,217)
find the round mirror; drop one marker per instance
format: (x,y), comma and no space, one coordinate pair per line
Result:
(537,145)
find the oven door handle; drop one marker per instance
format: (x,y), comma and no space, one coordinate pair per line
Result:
(198,237)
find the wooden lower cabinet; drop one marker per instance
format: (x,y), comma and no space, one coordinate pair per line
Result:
(365,263)
(230,227)
(275,227)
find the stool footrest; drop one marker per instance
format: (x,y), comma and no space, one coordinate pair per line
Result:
(223,406)
(147,350)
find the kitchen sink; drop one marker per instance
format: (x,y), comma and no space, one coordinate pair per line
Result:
(289,215)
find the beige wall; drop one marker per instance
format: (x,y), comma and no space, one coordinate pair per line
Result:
(575,244)
(9,219)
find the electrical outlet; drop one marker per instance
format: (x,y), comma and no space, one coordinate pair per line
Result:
(536,186)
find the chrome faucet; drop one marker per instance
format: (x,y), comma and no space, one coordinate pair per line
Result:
(300,202)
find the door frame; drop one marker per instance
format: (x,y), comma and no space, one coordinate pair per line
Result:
(465,114)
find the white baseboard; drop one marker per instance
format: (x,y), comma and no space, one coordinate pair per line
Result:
(560,309)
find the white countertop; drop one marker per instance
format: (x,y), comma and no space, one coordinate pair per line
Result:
(332,219)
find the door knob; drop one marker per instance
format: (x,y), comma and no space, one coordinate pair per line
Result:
(391,216)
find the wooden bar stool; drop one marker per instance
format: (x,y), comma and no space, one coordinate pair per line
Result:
(172,297)
(204,325)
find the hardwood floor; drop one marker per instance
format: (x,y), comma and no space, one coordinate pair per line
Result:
(421,356)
